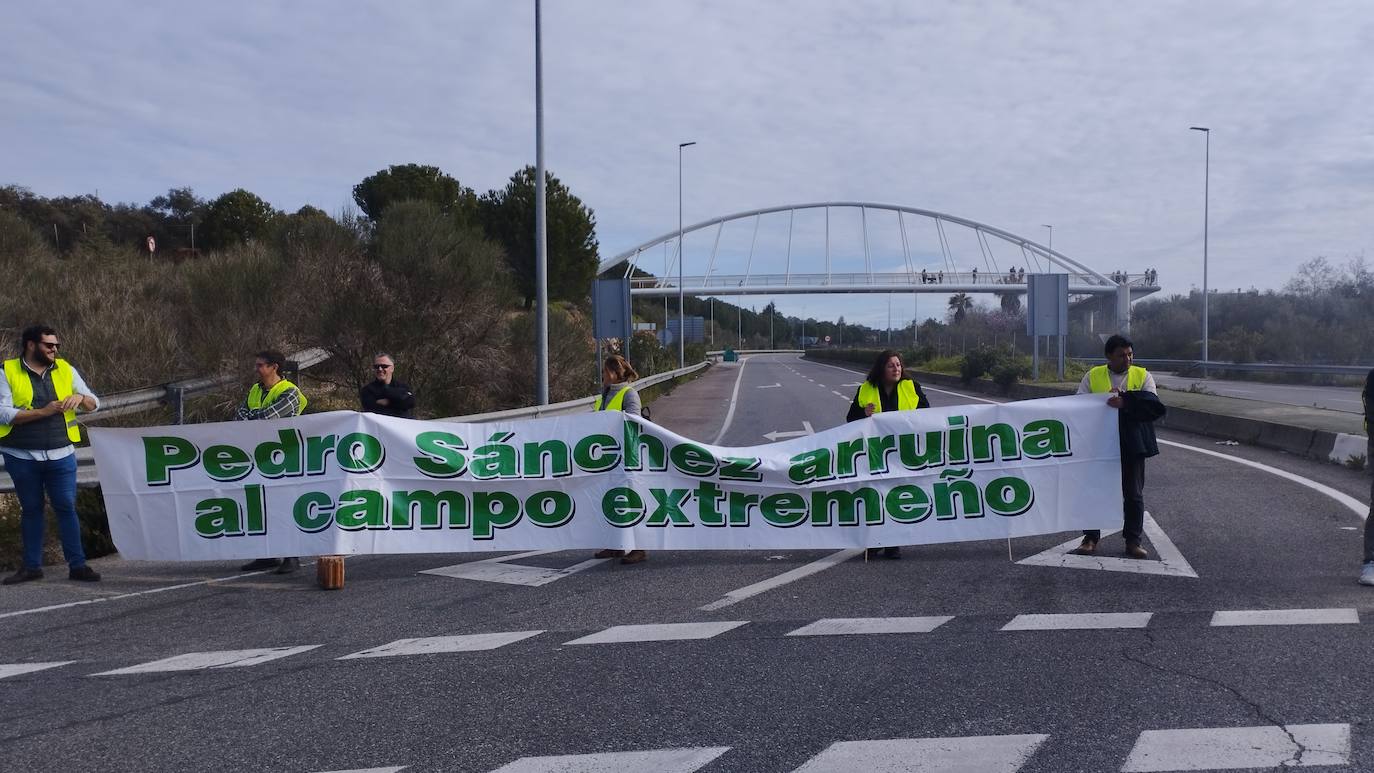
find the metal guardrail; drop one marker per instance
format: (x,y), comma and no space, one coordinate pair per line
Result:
(143,399)
(579,405)
(1247,367)
(137,400)
(175,394)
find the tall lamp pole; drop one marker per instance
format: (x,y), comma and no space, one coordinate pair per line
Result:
(1051,241)
(1206,206)
(681,315)
(541,256)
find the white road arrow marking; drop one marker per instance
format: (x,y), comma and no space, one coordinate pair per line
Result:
(807,430)
(499,570)
(1171,562)
(769,386)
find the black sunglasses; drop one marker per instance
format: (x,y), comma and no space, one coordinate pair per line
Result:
(380,367)
(50,345)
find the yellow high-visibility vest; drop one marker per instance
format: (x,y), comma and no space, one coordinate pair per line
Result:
(1100,380)
(22,390)
(256,399)
(617,400)
(907,399)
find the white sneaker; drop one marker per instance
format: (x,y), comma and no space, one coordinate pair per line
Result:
(1367,574)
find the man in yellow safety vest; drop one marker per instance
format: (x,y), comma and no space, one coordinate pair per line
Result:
(272,397)
(39,397)
(1133,394)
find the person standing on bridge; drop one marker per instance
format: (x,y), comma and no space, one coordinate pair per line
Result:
(37,445)
(618,394)
(887,387)
(272,397)
(1367,572)
(384,394)
(1133,394)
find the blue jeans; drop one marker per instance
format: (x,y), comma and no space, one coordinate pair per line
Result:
(58,478)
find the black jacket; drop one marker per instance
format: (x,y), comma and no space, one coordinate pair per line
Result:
(400,400)
(856,411)
(1136,418)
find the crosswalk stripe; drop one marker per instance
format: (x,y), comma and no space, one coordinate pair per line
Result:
(1087,621)
(438,644)
(1286,617)
(195,661)
(15,669)
(973,754)
(840,626)
(662,632)
(1232,748)
(658,760)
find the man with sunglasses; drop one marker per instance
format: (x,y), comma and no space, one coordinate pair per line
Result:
(384,394)
(39,398)
(272,397)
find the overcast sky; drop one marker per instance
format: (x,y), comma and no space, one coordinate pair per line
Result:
(1014,114)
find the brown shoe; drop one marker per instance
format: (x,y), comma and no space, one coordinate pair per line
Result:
(608,553)
(1088,547)
(1134,550)
(634,557)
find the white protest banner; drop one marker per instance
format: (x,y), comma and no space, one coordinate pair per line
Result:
(349,483)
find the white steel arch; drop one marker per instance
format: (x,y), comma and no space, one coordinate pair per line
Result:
(1083,279)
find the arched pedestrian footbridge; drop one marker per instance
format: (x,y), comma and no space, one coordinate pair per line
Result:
(855,247)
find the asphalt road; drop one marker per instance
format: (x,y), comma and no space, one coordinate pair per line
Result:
(1331,398)
(750,698)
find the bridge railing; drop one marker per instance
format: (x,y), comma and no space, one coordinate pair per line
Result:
(918,278)
(1244,367)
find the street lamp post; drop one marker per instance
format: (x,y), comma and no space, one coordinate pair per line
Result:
(1206,206)
(681,254)
(541,255)
(1051,241)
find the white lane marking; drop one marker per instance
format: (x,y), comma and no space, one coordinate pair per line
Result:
(1079,622)
(501,570)
(196,661)
(841,626)
(131,595)
(620,634)
(476,642)
(1231,748)
(973,754)
(769,386)
(838,394)
(1354,504)
(658,760)
(806,570)
(804,431)
(734,399)
(1171,562)
(15,669)
(1286,617)
(370,770)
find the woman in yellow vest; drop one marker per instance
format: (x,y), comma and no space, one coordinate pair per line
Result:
(886,388)
(617,394)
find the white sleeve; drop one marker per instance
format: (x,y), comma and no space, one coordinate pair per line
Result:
(80,387)
(1149,385)
(7,409)
(1084,387)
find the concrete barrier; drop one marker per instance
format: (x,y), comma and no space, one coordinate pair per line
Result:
(1325,445)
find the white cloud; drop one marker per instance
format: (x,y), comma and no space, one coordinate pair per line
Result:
(1011,113)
